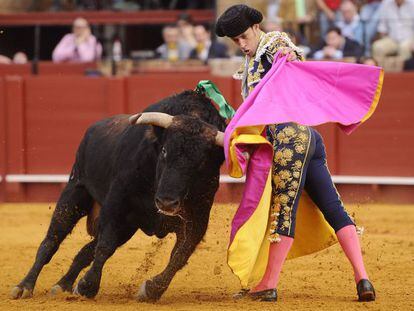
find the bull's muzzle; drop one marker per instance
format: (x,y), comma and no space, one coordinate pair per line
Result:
(167,206)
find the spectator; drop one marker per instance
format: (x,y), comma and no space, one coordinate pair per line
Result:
(298,15)
(172,49)
(207,49)
(338,46)
(368,61)
(396,27)
(272,24)
(298,40)
(369,15)
(20,58)
(4,60)
(409,63)
(328,14)
(350,23)
(186,32)
(78,46)
(273,9)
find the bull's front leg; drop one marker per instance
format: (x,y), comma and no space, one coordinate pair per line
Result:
(114,230)
(187,240)
(109,240)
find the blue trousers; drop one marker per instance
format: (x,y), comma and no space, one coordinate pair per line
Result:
(300,163)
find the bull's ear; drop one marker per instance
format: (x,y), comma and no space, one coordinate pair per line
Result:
(153,134)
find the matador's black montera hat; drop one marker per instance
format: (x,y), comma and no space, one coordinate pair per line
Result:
(236,20)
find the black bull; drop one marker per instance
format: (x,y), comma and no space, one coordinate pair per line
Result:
(129,177)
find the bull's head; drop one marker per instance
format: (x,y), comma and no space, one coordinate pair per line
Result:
(187,151)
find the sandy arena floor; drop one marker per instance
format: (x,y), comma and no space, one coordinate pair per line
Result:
(320,281)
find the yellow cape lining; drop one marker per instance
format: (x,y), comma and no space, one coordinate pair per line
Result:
(376,98)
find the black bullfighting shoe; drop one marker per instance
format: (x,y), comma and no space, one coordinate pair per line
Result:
(366,291)
(264,295)
(241,294)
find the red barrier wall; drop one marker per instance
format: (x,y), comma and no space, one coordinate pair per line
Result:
(3,145)
(64,68)
(46,68)
(14,69)
(383,146)
(44,117)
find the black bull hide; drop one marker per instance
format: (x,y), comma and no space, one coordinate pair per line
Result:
(129,177)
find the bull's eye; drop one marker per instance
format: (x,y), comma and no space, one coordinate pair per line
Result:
(164,152)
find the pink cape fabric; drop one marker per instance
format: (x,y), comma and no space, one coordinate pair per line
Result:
(309,93)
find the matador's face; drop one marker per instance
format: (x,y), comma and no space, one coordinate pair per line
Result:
(249,40)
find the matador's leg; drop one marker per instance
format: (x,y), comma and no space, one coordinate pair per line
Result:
(322,190)
(294,146)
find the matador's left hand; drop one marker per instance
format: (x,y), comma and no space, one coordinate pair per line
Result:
(291,55)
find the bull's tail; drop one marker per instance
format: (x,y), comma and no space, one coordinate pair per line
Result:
(92,220)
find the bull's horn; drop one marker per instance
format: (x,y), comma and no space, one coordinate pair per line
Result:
(220,139)
(132,119)
(152,118)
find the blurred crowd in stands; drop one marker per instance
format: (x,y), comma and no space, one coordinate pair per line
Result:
(18,58)
(126,5)
(366,31)
(185,40)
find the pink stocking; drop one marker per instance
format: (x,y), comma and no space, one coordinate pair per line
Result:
(277,255)
(349,241)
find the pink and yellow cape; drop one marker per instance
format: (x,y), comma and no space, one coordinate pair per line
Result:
(308,93)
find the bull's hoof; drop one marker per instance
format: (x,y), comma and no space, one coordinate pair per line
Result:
(86,289)
(142,293)
(21,292)
(56,290)
(149,292)
(75,290)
